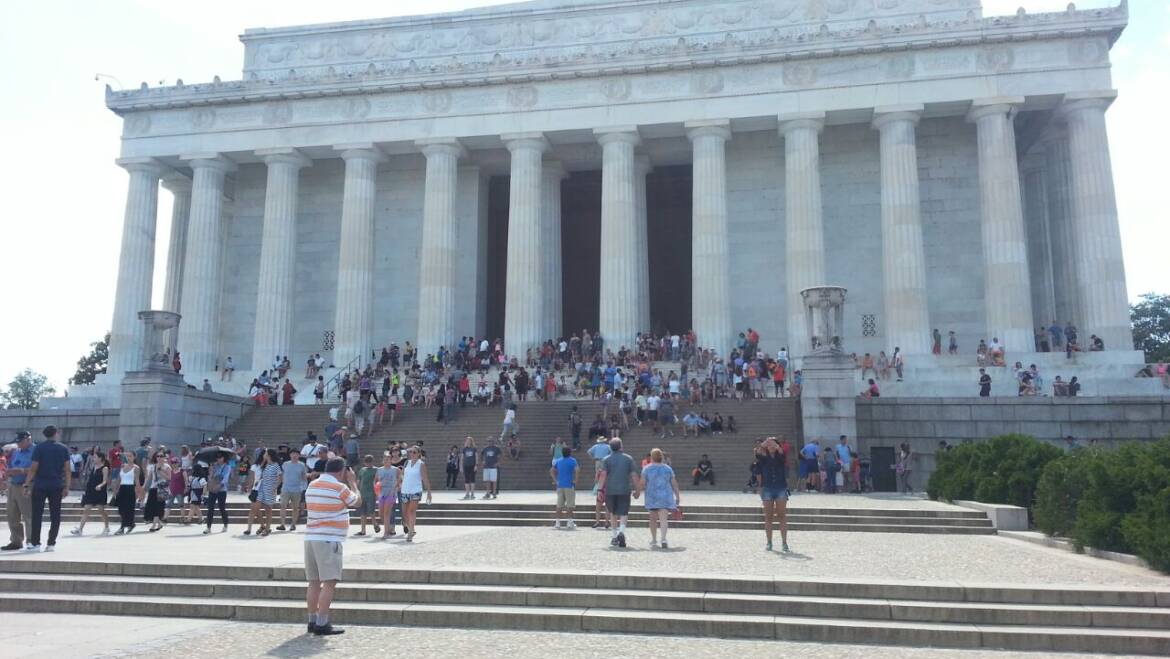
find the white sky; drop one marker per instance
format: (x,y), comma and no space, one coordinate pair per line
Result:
(62,203)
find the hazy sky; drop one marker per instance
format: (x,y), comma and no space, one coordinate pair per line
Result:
(63,197)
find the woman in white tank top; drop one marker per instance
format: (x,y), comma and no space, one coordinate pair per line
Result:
(414,483)
(128,492)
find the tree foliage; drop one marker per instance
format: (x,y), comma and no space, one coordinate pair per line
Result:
(26,390)
(1151,326)
(93,364)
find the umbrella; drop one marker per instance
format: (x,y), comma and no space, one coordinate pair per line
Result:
(210,453)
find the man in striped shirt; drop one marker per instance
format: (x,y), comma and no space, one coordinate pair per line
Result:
(328,501)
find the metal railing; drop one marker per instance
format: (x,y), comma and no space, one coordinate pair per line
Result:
(334,383)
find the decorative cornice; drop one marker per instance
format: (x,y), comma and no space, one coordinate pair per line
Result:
(729,47)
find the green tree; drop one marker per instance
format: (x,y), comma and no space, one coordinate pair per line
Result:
(93,364)
(26,390)
(1151,326)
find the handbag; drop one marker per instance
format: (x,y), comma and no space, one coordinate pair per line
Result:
(676,514)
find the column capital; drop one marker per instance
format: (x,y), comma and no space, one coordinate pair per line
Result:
(360,151)
(284,155)
(146,165)
(1088,100)
(884,115)
(554,168)
(801,121)
(530,140)
(608,134)
(209,161)
(708,128)
(642,165)
(986,107)
(177,183)
(440,146)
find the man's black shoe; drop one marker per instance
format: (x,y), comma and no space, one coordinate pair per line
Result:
(10,547)
(327,630)
(312,627)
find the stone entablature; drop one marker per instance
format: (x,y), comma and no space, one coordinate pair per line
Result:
(748,59)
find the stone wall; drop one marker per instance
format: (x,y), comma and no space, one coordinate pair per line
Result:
(923,422)
(81,428)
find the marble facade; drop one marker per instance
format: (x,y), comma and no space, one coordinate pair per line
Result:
(951,170)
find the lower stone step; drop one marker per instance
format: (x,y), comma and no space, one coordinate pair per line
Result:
(581,618)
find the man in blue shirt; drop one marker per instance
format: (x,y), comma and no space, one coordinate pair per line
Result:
(844,454)
(564,475)
(48,478)
(19,506)
(599,452)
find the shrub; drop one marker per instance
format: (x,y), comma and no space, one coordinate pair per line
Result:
(1113,500)
(1003,469)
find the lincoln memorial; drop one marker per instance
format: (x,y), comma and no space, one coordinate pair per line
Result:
(529,170)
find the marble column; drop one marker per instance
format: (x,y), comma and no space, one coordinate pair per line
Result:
(202,269)
(642,167)
(1060,232)
(1006,282)
(550,210)
(803,220)
(180,188)
(438,258)
(275,293)
(353,327)
(135,265)
(907,321)
(1104,301)
(710,254)
(619,316)
(524,289)
(1039,250)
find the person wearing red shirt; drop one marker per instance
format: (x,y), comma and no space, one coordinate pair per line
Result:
(115,455)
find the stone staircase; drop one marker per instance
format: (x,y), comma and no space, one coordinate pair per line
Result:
(539,422)
(927,614)
(502,513)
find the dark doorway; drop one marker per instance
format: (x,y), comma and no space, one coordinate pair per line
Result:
(881,468)
(668,200)
(668,222)
(581,250)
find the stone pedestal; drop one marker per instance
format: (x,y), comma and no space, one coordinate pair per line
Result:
(828,398)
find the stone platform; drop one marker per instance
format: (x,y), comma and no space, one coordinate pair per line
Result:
(974,592)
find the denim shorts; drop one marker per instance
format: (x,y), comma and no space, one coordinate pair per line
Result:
(770,494)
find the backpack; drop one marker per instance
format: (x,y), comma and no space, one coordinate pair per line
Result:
(359,407)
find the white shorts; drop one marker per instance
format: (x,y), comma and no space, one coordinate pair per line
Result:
(491,475)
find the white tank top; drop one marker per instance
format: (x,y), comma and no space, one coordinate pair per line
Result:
(412,478)
(128,477)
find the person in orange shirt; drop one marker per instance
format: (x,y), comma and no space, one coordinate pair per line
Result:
(328,501)
(778,379)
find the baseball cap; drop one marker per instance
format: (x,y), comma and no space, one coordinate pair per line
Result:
(21,434)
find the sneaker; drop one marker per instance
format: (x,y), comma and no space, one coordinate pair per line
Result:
(49,548)
(784,548)
(768,547)
(613,541)
(206,531)
(280,528)
(621,539)
(121,531)
(410,537)
(12,546)
(106,531)
(664,545)
(75,532)
(33,548)
(572,525)
(311,627)
(292,528)
(557,524)
(327,630)
(653,543)
(377,529)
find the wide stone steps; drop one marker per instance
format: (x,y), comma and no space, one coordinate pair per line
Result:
(1116,620)
(706,517)
(540,422)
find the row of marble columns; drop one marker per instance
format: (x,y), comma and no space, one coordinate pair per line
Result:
(1087,270)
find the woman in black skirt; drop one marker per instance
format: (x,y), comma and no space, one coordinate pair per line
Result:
(95,495)
(128,492)
(158,480)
